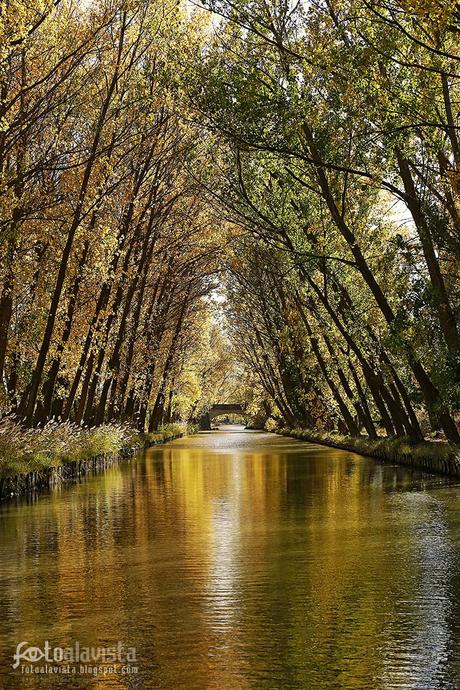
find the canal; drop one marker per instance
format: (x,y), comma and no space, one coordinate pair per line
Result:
(238,560)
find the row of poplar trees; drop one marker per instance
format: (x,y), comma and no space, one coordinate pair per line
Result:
(334,128)
(107,247)
(311,149)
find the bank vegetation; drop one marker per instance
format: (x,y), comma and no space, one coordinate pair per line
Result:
(301,159)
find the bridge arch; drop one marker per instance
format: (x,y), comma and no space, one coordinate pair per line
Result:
(226,408)
(219,409)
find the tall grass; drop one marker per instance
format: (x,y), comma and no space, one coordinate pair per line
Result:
(166,432)
(438,456)
(31,450)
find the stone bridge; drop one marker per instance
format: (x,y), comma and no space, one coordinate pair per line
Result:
(226,408)
(221,409)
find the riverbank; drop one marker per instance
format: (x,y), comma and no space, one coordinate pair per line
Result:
(437,457)
(37,459)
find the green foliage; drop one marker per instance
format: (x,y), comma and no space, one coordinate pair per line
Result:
(333,157)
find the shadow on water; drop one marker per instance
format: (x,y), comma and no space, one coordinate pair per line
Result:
(237,559)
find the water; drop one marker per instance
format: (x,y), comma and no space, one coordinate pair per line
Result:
(240,560)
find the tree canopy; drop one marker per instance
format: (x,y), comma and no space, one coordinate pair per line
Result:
(301,161)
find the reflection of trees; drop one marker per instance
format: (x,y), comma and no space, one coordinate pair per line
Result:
(257,566)
(419,642)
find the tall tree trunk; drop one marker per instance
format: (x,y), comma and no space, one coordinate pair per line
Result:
(451,125)
(362,411)
(344,411)
(429,391)
(157,412)
(101,304)
(446,316)
(75,224)
(6,311)
(50,382)
(141,273)
(369,374)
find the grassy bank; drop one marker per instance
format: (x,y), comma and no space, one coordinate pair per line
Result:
(44,452)
(432,456)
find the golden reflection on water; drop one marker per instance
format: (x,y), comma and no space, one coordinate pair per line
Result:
(240,560)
